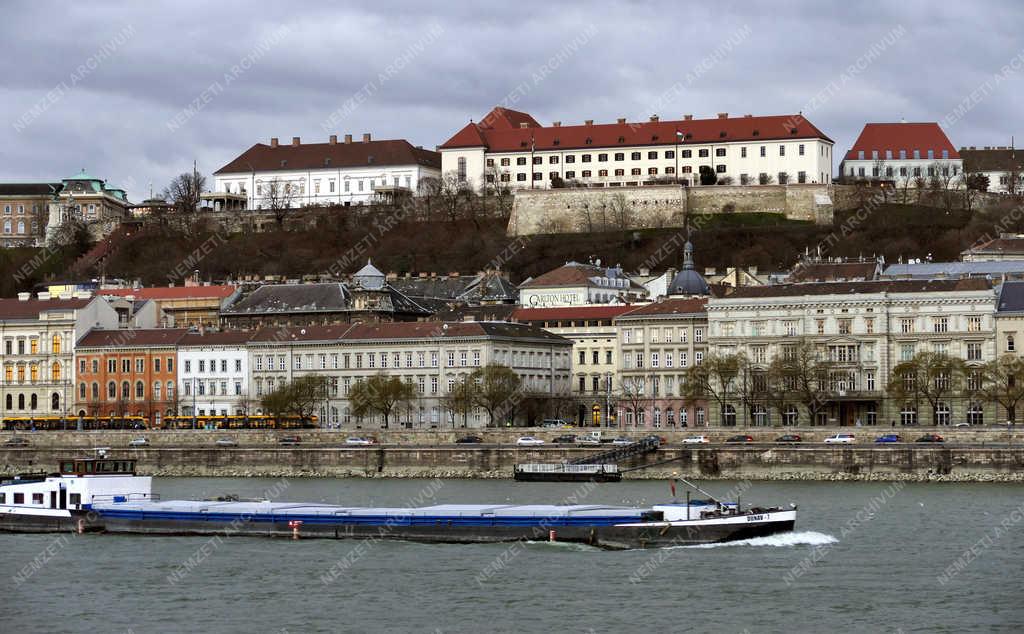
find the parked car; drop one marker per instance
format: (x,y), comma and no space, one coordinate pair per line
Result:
(141,441)
(552,423)
(931,438)
(588,440)
(622,440)
(359,441)
(16,442)
(840,439)
(528,441)
(740,438)
(962,425)
(226,441)
(469,440)
(289,440)
(696,440)
(789,438)
(565,439)
(889,438)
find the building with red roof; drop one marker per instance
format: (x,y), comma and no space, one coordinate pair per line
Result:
(344,172)
(903,153)
(512,147)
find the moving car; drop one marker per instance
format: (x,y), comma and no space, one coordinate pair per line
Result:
(789,438)
(16,442)
(740,438)
(622,440)
(528,441)
(931,438)
(226,442)
(290,440)
(889,438)
(359,440)
(840,439)
(141,441)
(565,439)
(962,425)
(696,440)
(469,440)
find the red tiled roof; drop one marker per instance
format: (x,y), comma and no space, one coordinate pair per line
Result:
(1012,245)
(131,337)
(501,132)
(305,156)
(679,306)
(13,308)
(902,136)
(570,312)
(218,338)
(571,274)
(400,330)
(171,292)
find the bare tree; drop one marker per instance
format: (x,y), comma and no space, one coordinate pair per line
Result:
(183,192)
(930,376)
(279,197)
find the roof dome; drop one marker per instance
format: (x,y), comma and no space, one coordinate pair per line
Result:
(369,277)
(688,281)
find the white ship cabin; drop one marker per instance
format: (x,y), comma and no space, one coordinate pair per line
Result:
(79,484)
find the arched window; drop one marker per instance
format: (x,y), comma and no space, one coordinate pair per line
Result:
(34,402)
(641,417)
(657,417)
(95,391)
(55,372)
(670,417)
(908,415)
(170,390)
(699,418)
(140,389)
(942,414)
(33,372)
(82,390)
(126,390)
(791,416)
(55,344)
(684,418)
(975,414)
(111,390)
(156,390)
(156,419)
(728,415)
(21,401)
(760,415)
(55,402)
(21,227)
(10,401)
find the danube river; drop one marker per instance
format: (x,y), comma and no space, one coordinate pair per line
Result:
(866,557)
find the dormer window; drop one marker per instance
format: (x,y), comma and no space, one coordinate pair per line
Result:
(327,162)
(792,130)
(522,144)
(622,139)
(654,137)
(284,163)
(721,134)
(557,142)
(688,136)
(589,140)
(757,133)
(369,159)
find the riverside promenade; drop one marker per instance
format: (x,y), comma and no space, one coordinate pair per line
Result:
(973,454)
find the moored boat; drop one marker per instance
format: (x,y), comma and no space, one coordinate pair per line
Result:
(105,495)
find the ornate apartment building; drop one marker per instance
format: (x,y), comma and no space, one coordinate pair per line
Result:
(430,355)
(332,173)
(38,338)
(657,343)
(25,207)
(512,148)
(213,374)
(863,330)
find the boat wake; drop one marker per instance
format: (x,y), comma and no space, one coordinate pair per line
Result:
(801,538)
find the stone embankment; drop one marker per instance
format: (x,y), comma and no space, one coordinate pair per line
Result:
(969,455)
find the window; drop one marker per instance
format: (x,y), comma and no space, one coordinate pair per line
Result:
(462,169)
(907,325)
(844,326)
(908,415)
(973,351)
(140,365)
(686,153)
(720,151)
(602,158)
(111,390)
(1010,344)
(764,151)
(140,389)
(621,156)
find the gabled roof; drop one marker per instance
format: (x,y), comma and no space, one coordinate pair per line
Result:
(131,338)
(13,308)
(902,136)
(171,292)
(851,288)
(670,307)
(575,274)
(992,160)
(307,156)
(501,131)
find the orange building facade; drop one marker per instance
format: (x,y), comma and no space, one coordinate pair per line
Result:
(128,373)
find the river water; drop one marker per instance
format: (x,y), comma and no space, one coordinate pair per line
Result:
(866,557)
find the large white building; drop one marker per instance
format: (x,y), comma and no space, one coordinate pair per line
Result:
(213,374)
(576,284)
(903,153)
(1002,166)
(333,173)
(511,147)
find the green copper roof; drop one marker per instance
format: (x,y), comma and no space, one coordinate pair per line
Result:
(82,176)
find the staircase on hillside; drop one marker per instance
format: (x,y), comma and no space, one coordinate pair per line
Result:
(102,250)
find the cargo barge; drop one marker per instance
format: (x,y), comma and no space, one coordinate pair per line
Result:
(541,472)
(106,496)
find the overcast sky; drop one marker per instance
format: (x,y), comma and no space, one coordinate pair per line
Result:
(133,92)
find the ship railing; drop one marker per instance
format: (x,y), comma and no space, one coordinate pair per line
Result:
(567,468)
(121,498)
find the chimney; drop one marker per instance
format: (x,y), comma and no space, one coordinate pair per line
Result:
(295,141)
(23,297)
(43,296)
(523,124)
(621,120)
(334,139)
(348,138)
(687,117)
(273,141)
(654,118)
(723,115)
(556,124)
(366,137)
(588,122)
(748,116)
